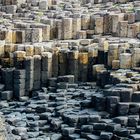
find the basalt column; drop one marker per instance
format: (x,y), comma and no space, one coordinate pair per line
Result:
(92,60)
(28,36)
(7,78)
(45,31)
(46,69)
(20,36)
(123,28)
(132,30)
(67,28)
(1,49)
(136,57)
(99,25)
(115,21)
(55,62)
(83,66)
(7,59)
(112,54)
(85,22)
(62,62)
(107,23)
(19,57)
(59,29)
(19,83)
(96,69)
(73,64)
(29,50)
(6,35)
(125,61)
(37,72)
(103,51)
(76,26)
(29,67)
(36,35)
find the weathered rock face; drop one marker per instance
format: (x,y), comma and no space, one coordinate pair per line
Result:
(69,69)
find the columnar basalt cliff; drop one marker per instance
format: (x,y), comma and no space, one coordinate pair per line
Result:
(69,69)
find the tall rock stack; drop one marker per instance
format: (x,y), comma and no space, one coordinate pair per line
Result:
(132,30)
(123,28)
(73,64)
(2,43)
(99,25)
(96,69)
(83,66)
(43,5)
(38,49)
(36,35)
(112,53)
(76,26)
(103,51)
(59,29)
(107,26)
(1,50)
(125,61)
(28,35)
(85,21)
(6,35)
(44,31)
(37,72)
(92,60)
(20,36)
(67,28)
(29,68)
(46,68)
(19,83)
(131,18)
(7,56)
(55,62)
(136,57)
(7,78)
(19,57)
(53,25)
(62,62)
(115,21)
(29,49)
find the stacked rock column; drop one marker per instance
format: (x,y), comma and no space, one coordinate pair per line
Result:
(46,69)
(85,21)
(67,28)
(112,54)
(37,72)
(7,59)
(55,62)
(125,61)
(73,64)
(123,28)
(29,67)
(136,57)
(99,25)
(83,66)
(7,78)
(59,29)
(115,21)
(76,26)
(62,62)
(19,83)
(19,57)
(92,60)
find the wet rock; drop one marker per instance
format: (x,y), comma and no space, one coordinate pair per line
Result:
(106,135)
